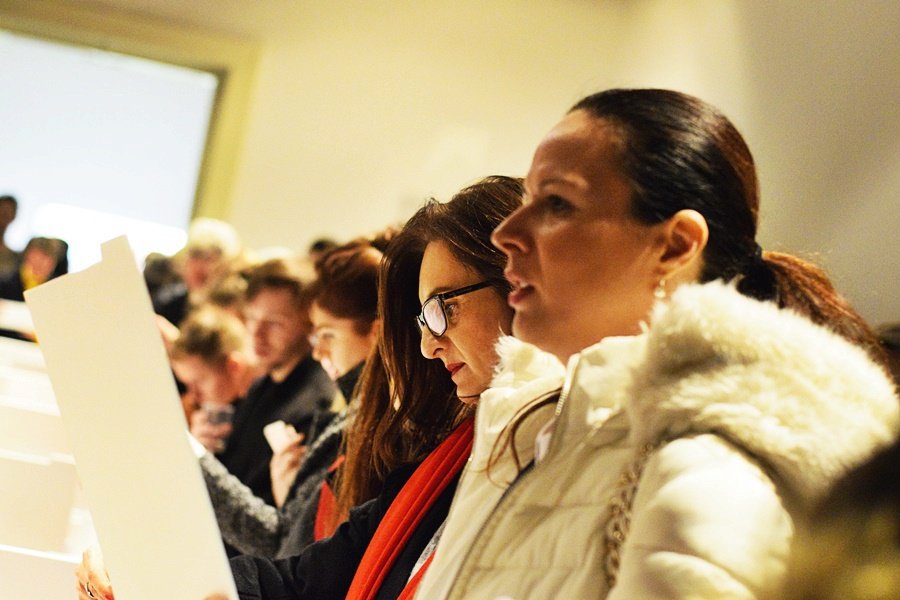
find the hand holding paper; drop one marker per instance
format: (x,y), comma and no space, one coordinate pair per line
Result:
(287,454)
(92,580)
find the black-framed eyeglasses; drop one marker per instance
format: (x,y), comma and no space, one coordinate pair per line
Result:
(434,313)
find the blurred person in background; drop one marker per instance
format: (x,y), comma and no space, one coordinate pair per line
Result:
(295,389)
(211,246)
(159,272)
(9,258)
(42,259)
(212,357)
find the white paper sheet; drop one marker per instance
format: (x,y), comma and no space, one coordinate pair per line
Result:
(120,407)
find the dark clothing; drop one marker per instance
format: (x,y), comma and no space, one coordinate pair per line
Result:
(171,302)
(9,260)
(325,569)
(303,400)
(303,498)
(347,382)
(11,287)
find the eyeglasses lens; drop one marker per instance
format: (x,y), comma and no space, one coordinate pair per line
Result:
(434,316)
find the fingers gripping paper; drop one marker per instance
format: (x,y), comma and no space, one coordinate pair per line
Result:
(120,407)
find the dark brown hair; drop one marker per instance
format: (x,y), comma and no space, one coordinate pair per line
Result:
(679,152)
(408,403)
(346,283)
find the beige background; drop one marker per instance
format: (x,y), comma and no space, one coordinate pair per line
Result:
(359,110)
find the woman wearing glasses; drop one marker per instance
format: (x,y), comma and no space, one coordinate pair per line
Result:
(700,419)
(442,303)
(442,296)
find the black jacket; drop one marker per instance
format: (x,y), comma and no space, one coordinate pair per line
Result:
(302,399)
(325,569)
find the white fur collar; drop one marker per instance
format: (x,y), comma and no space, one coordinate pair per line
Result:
(797,396)
(521,363)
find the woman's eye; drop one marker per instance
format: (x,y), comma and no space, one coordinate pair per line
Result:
(451,309)
(557,204)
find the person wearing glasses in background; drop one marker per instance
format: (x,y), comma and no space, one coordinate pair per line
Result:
(344,316)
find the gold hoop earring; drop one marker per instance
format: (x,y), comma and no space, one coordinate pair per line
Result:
(660,292)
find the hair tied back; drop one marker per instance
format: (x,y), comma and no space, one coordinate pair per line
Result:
(757,279)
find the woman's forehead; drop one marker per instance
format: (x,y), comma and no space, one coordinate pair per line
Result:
(573,151)
(441,271)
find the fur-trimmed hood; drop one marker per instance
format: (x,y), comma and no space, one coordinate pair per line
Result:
(800,398)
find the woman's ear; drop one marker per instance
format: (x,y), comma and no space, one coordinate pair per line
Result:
(685,235)
(374,331)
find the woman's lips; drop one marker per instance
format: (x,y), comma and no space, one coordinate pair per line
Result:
(519,294)
(454,368)
(520,290)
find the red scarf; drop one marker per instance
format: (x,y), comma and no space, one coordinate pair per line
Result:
(406,512)
(326,511)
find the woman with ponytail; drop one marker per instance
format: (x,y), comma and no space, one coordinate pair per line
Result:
(714,390)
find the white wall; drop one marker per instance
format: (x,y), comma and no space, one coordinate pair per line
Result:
(364,112)
(361,109)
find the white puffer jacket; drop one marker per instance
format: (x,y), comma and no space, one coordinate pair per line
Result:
(758,412)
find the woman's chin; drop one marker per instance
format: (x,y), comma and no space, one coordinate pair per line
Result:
(333,372)
(526,329)
(468,396)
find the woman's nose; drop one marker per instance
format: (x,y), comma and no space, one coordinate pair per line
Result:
(430,344)
(508,236)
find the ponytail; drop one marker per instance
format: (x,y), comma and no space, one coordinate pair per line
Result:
(804,288)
